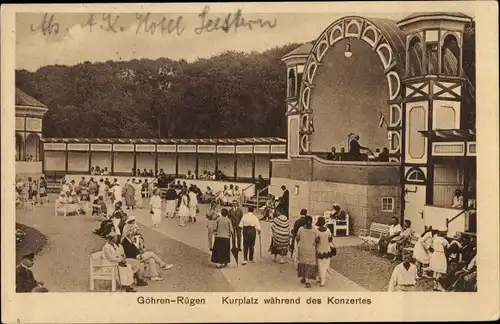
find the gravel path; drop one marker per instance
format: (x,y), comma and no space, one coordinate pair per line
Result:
(368,269)
(64,262)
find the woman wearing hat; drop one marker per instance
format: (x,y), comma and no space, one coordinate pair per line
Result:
(307,238)
(114,254)
(324,249)
(438,262)
(280,238)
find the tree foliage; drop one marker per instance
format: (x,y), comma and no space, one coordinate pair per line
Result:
(233,94)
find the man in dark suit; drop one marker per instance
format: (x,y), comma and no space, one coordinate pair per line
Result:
(284,202)
(25,280)
(235,215)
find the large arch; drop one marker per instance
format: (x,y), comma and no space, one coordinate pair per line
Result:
(386,40)
(19,147)
(33,146)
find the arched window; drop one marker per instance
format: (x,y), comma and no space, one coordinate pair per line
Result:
(414,57)
(291,83)
(415,175)
(431,52)
(450,56)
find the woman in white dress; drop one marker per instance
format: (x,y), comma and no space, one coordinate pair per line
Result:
(438,261)
(421,251)
(183,207)
(113,254)
(117,193)
(156,208)
(138,194)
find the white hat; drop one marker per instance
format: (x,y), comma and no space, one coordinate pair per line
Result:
(131,218)
(62,193)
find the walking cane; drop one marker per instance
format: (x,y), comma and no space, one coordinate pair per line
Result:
(260,245)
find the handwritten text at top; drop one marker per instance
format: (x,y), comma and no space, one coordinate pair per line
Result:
(146,23)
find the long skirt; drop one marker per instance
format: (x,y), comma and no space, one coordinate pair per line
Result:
(126,275)
(156,216)
(138,199)
(438,262)
(171,207)
(323,265)
(309,271)
(278,248)
(221,253)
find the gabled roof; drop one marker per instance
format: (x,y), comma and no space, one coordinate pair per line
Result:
(304,49)
(23,99)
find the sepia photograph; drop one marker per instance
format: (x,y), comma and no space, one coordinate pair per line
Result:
(244,152)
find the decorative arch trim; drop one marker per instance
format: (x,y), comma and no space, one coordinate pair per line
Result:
(350,27)
(415,171)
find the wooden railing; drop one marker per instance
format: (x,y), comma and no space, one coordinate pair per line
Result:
(243,199)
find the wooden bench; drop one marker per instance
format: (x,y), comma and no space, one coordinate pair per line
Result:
(372,236)
(100,271)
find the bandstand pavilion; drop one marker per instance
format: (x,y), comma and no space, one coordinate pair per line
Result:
(399,85)
(29,117)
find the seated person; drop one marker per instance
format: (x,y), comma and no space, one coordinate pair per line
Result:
(25,279)
(384,155)
(61,201)
(458,199)
(397,243)
(151,173)
(208,195)
(333,155)
(337,213)
(107,225)
(465,278)
(189,175)
(269,208)
(145,258)
(394,231)
(204,175)
(99,209)
(113,253)
(131,228)
(237,193)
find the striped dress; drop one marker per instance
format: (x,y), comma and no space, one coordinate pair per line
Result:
(280,230)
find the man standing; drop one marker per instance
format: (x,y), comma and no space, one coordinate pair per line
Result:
(25,280)
(394,231)
(298,224)
(284,202)
(235,215)
(171,197)
(251,227)
(355,148)
(403,276)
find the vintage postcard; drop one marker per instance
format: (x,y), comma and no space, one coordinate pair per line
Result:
(230,162)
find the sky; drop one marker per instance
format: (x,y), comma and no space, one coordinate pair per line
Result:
(132,37)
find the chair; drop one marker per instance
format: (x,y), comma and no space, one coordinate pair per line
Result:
(100,271)
(372,236)
(62,209)
(341,225)
(338,225)
(410,244)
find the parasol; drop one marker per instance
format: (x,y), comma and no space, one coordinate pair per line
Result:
(235,251)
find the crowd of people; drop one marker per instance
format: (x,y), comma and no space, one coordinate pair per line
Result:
(450,264)
(31,191)
(355,152)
